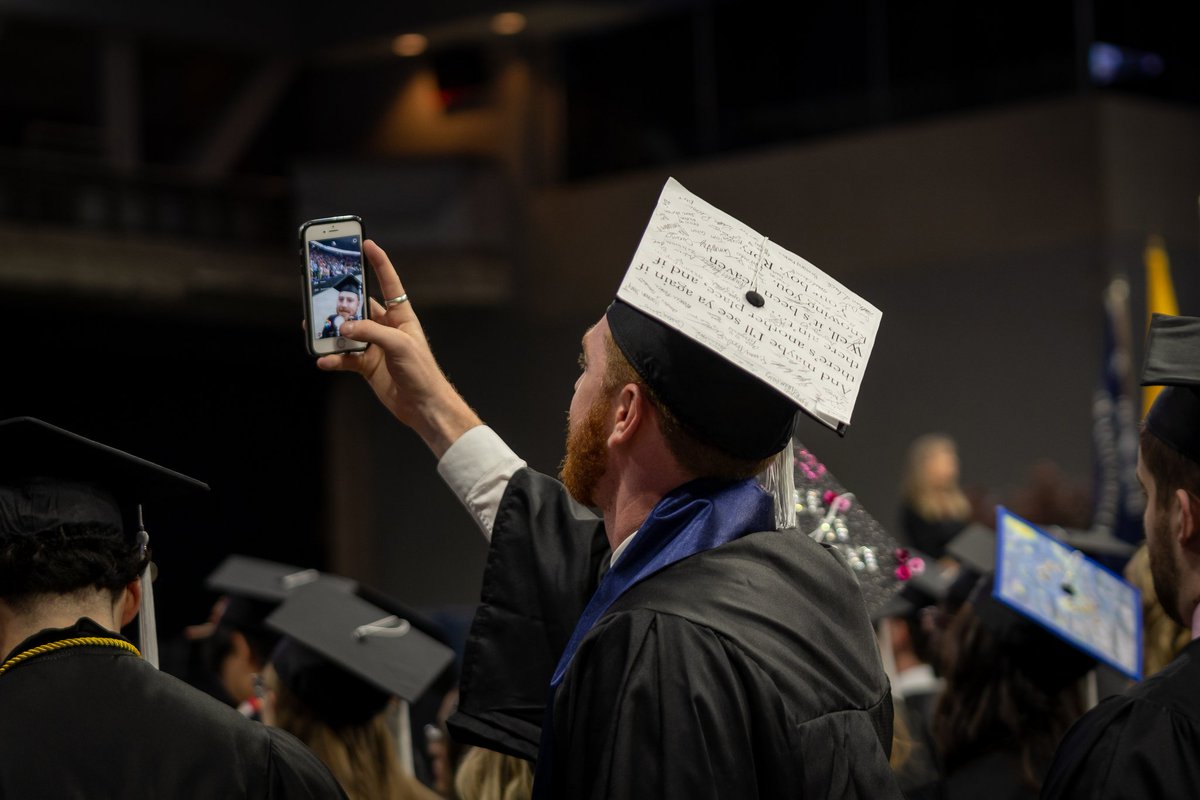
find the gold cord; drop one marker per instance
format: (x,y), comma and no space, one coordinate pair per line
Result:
(83,641)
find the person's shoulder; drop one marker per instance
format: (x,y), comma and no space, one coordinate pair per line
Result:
(1173,689)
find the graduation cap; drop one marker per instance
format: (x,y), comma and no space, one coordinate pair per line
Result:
(830,514)
(1098,543)
(1042,584)
(974,548)
(56,481)
(1173,361)
(734,333)
(256,587)
(349,283)
(926,587)
(345,657)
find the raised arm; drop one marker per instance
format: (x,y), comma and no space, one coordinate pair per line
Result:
(400,367)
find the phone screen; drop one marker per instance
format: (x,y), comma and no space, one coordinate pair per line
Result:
(337,290)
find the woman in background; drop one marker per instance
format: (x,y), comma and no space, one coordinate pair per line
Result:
(488,775)
(342,719)
(1012,691)
(934,508)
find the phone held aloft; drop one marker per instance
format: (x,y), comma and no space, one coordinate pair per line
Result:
(335,283)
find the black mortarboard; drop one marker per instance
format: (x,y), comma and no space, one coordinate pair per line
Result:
(345,657)
(255,587)
(734,333)
(68,480)
(268,581)
(926,587)
(1173,361)
(348,284)
(975,551)
(1095,543)
(974,548)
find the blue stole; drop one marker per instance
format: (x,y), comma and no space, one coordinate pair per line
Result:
(697,516)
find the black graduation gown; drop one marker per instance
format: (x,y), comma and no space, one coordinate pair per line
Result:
(99,722)
(1141,744)
(747,671)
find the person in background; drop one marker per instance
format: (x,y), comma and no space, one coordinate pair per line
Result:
(1012,690)
(1144,743)
(334,684)
(934,508)
(488,775)
(82,714)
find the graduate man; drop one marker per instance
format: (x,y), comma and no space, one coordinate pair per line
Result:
(81,713)
(1144,743)
(676,645)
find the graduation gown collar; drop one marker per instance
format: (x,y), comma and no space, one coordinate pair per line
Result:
(84,626)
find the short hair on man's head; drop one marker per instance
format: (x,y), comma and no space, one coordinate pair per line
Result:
(702,459)
(66,560)
(1170,469)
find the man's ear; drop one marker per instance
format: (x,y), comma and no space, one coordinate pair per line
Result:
(629,412)
(1188,519)
(131,601)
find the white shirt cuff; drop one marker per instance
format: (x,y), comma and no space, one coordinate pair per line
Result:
(477,468)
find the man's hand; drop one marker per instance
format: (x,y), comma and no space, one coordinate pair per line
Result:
(400,367)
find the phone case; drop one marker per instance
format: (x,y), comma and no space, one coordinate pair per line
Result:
(306,288)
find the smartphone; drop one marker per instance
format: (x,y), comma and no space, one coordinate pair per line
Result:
(335,283)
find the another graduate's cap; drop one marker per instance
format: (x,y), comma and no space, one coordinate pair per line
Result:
(348,284)
(974,548)
(1095,543)
(52,479)
(735,334)
(1173,361)
(256,587)
(926,586)
(1042,584)
(830,514)
(345,658)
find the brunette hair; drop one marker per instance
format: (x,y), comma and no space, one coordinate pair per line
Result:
(1170,469)
(991,703)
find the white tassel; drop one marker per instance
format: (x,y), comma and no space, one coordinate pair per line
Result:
(147,629)
(779,479)
(403,731)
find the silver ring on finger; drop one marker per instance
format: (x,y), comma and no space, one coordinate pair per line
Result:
(395,301)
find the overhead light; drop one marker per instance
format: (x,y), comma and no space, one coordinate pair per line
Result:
(409,44)
(508,23)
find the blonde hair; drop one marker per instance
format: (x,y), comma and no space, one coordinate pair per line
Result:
(488,775)
(1162,637)
(932,502)
(361,757)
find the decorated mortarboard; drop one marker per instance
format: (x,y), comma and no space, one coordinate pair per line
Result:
(348,284)
(833,516)
(734,333)
(345,657)
(1066,593)
(1173,361)
(53,480)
